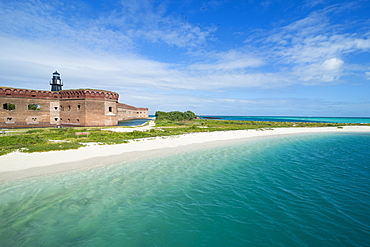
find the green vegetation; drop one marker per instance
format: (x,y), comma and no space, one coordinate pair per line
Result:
(176,123)
(174,118)
(8,106)
(34,107)
(237,125)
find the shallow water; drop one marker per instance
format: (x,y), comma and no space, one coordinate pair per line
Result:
(299,190)
(133,122)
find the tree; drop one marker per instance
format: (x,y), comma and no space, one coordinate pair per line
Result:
(189,115)
(175,115)
(161,115)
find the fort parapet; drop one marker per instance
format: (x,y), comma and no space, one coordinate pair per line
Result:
(27,93)
(88,94)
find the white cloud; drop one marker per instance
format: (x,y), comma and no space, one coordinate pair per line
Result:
(332,64)
(367,74)
(121,30)
(317,73)
(308,50)
(230,60)
(313,39)
(313,3)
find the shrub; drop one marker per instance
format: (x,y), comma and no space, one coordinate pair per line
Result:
(175,116)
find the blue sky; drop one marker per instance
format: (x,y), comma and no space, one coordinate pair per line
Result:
(217,57)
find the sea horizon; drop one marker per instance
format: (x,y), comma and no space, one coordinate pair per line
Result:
(312,119)
(293,116)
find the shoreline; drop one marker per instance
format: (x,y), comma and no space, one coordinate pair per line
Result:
(17,165)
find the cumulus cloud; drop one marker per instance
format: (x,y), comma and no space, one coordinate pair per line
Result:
(317,73)
(332,64)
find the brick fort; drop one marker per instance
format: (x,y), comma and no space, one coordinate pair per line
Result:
(81,107)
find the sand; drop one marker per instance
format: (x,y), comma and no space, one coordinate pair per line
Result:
(22,165)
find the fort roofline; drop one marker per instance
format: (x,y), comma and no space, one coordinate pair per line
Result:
(88,94)
(125,106)
(63,94)
(28,93)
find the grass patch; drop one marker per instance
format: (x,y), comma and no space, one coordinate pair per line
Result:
(51,147)
(37,140)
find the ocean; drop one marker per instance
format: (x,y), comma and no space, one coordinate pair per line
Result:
(294,190)
(293,119)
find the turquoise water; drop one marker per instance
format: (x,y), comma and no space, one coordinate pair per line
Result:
(298,190)
(133,122)
(295,119)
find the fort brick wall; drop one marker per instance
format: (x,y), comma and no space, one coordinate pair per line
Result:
(88,112)
(27,112)
(82,107)
(125,112)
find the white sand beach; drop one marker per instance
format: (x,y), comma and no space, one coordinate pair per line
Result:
(21,165)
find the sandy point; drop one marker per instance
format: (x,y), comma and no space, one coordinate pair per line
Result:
(22,165)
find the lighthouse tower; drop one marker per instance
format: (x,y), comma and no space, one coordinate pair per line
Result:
(56,82)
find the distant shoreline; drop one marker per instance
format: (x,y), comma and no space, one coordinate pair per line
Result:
(16,166)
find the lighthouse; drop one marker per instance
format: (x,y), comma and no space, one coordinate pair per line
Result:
(56,82)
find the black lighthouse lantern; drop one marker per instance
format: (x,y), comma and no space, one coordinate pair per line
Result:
(56,82)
